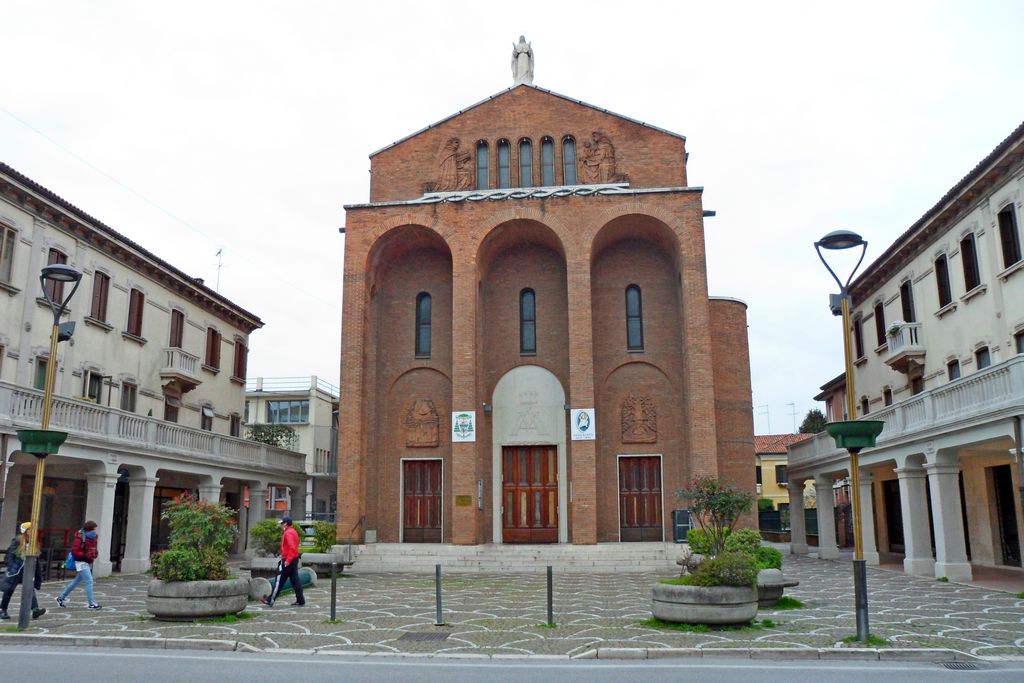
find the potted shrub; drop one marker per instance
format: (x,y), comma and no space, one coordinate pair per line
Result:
(722,588)
(191,577)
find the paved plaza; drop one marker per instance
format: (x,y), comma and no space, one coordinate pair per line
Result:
(595,615)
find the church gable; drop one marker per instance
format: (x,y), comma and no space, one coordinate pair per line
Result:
(527,137)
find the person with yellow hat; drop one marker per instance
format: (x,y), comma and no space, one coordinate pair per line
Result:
(15,572)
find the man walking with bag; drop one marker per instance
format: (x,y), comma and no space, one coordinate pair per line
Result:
(83,552)
(288,567)
(16,571)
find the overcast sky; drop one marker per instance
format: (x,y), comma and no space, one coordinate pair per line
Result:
(245,126)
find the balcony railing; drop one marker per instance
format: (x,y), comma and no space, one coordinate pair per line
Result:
(21,407)
(905,350)
(325,463)
(989,394)
(182,366)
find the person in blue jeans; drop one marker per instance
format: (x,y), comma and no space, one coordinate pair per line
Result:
(84,551)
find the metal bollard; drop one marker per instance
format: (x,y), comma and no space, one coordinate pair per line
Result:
(551,609)
(334,589)
(437,595)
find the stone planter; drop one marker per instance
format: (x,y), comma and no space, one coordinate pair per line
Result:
(770,585)
(188,600)
(715,605)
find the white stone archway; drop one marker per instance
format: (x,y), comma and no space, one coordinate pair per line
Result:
(529,409)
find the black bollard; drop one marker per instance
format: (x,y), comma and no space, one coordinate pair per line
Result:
(437,595)
(334,589)
(551,609)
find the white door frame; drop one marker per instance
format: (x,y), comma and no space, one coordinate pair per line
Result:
(618,488)
(401,495)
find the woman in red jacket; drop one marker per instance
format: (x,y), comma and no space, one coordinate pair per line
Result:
(84,551)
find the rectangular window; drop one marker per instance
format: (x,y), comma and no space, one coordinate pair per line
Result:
(136,302)
(525,164)
(92,386)
(780,475)
(880,323)
(236,425)
(212,348)
(206,418)
(177,329)
(100,289)
(287,412)
(8,238)
(547,162)
(983,358)
(241,359)
(858,337)
(423,323)
(887,396)
(757,474)
(171,406)
(1009,236)
(969,256)
(527,322)
(247,411)
(483,166)
(129,394)
(41,373)
(916,385)
(1018,340)
(942,281)
(864,406)
(953,370)
(55,290)
(504,165)
(907,302)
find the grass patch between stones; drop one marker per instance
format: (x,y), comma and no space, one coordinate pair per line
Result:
(1020,596)
(654,622)
(227,618)
(547,625)
(786,602)
(873,641)
(333,621)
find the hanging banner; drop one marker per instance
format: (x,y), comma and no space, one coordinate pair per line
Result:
(583,426)
(463,426)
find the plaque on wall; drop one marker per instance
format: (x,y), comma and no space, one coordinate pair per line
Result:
(464,501)
(584,428)
(463,426)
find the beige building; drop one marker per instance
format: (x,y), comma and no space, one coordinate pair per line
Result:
(151,387)
(771,462)
(309,406)
(938,333)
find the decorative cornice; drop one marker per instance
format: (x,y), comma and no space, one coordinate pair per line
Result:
(556,192)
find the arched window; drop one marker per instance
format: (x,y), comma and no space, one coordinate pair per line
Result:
(547,162)
(504,159)
(634,319)
(527,321)
(482,166)
(525,163)
(568,161)
(423,325)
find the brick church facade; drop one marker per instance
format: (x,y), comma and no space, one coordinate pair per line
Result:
(526,257)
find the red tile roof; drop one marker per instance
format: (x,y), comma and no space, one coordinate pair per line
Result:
(777,443)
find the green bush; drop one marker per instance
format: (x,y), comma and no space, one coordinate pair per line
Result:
(715,506)
(765,504)
(700,541)
(727,569)
(325,535)
(266,536)
(201,534)
(768,558)
(743,541)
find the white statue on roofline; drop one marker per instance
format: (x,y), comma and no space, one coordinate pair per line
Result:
(522,62)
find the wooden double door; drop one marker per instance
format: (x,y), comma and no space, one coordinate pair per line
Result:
(640,517)
(529,494)
(421,501)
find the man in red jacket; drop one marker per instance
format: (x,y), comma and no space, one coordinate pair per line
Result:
(288,567)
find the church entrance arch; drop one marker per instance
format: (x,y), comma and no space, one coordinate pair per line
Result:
(529,486)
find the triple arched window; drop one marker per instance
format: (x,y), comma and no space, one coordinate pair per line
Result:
(527,321)
(423,325)
(634,319)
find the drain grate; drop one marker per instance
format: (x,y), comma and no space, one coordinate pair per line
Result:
(960,666)
(422,636)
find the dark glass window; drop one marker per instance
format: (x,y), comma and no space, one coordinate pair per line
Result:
(482,166)
(757,474)
(887,396)
(423,315)
(504,159)
(1009,236)
(907,302)
(969,256)
(1018,340)
(287,412)
(942,281)
(100,290)
(206,418)
(40,373)
(880,323)
(953,369)
(982,357)
(858,337)
(634,319)
(171,406)
(92,386)
(916,385)
(527,321)
(129,394)
(236,425)
(568,161)
(864,405)
(55,290)
(781,477)
(547,161)
(525,163)
(8,238)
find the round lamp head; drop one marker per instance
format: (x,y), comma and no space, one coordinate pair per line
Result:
(59,272)
(840,239)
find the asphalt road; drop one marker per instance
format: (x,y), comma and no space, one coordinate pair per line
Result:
(20,663)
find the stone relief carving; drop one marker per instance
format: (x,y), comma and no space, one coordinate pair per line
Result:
(639,420)
(455,169)
(422,424)
(597,161)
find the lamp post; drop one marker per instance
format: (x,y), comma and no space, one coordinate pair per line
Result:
(851,434)
(43,442)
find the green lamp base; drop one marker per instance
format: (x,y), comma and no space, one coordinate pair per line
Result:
(854,435)
(41,442)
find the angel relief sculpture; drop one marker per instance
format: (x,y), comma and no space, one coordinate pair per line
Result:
(455,169)
(422,424)
(639,420)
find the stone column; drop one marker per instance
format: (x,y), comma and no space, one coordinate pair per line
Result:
(827,548)
(99,507)
(464,397)
(140,524)
(210,492)
(917,544)
(12,492)
(797,523)
(298,497)
(867,519)
(257,511)
(947,517)
(583,454)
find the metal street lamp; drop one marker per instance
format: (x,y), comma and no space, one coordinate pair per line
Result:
(851,434)
(43,442)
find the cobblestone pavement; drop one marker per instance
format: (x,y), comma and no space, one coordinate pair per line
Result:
(489,614)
